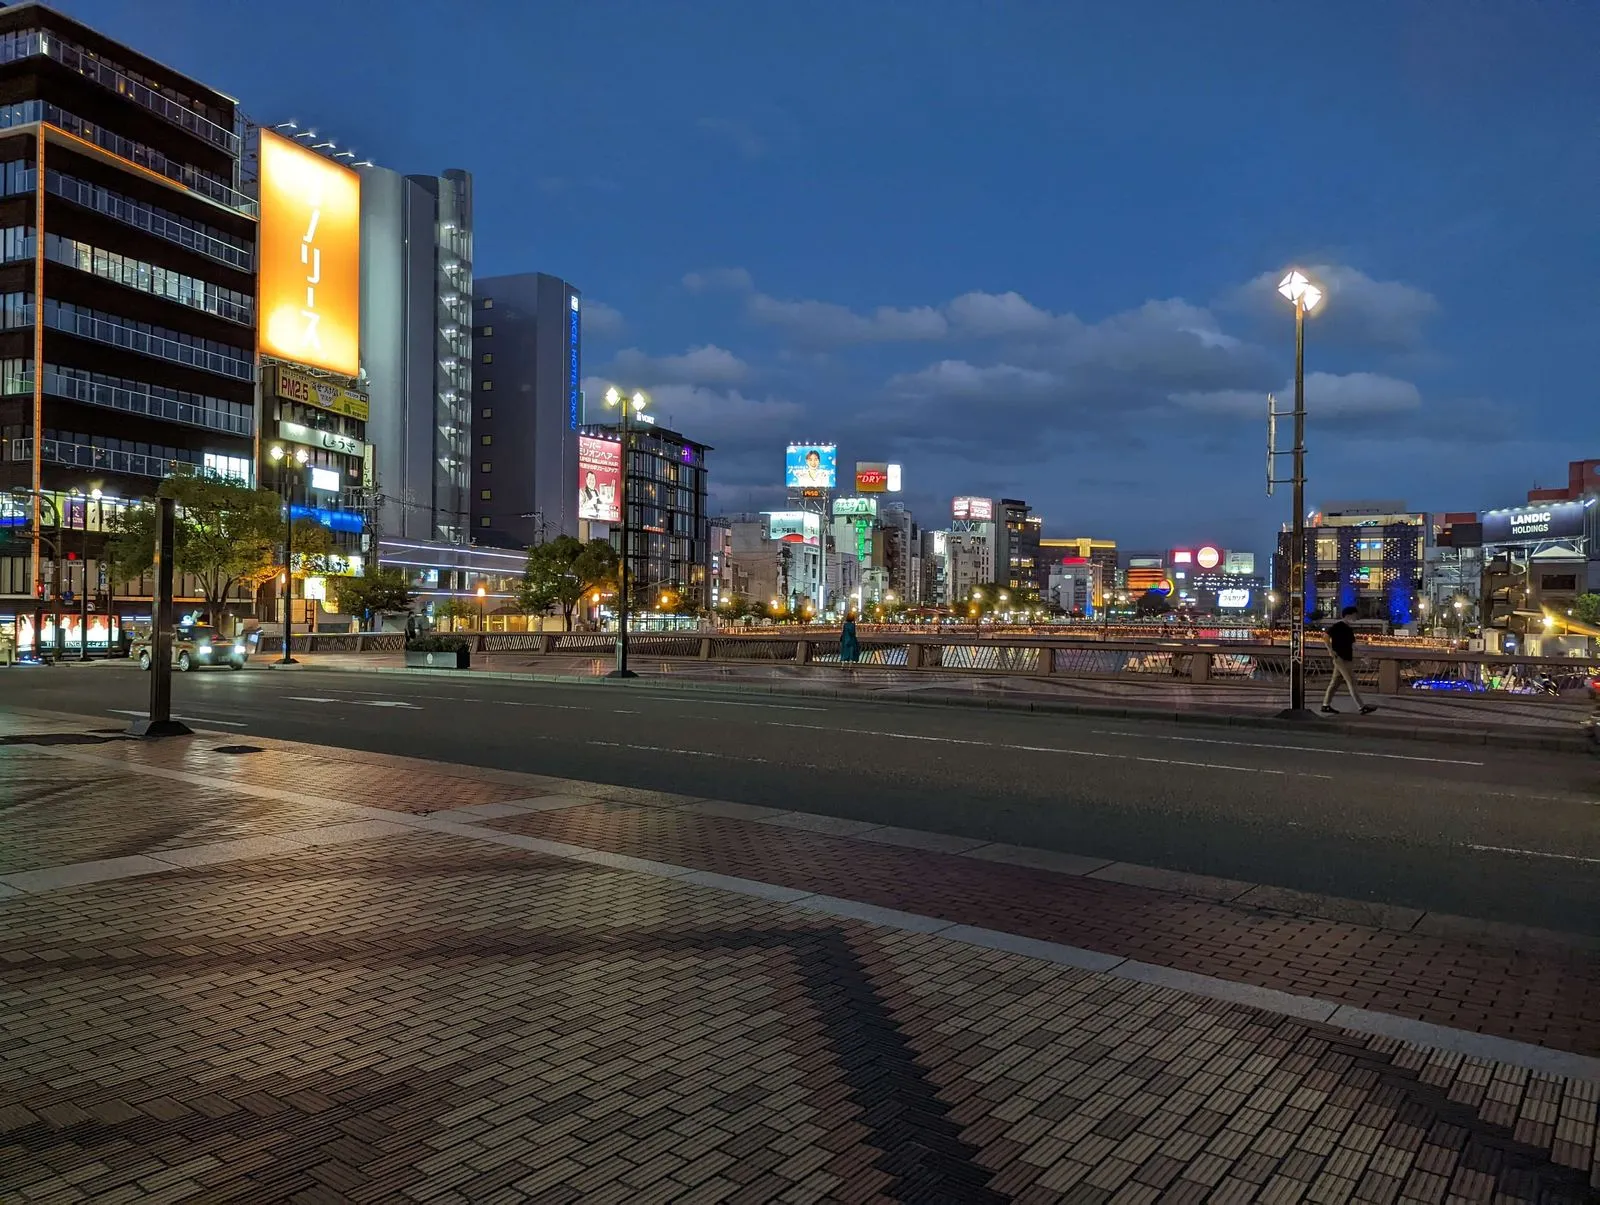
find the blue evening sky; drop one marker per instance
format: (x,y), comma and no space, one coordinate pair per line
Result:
(1026,248)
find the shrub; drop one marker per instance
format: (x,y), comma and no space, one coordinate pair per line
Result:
(437,644)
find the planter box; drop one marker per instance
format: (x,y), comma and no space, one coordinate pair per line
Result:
(457,659)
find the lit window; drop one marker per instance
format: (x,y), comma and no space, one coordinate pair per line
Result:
(487,412)
(486,440)
(486,495)
(488,303)
(486,331)
(485,467)
(484,521)
(486,386)
(488,357)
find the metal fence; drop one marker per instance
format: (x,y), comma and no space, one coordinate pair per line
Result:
(1382,669)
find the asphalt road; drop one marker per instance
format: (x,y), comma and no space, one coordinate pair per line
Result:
(1498,834)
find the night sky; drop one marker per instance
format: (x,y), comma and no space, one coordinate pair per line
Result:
(1027,249)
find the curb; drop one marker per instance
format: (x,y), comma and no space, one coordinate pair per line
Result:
(1441,734)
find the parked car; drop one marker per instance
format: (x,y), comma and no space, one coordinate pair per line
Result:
(196,648)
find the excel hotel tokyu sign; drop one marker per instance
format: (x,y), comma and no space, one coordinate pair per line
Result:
(309,274)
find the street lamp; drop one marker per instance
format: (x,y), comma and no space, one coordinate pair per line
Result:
(83,562)
(1304,296)
(483,607)
(1461,614)
(282,458)
(628,405)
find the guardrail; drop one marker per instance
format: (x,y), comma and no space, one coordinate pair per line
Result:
(1381,669)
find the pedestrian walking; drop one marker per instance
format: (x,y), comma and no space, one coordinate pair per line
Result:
(849,646)
(1342,643)
(411,625)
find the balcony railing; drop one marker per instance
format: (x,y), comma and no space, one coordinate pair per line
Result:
(29,111)
(182,232)
(104,328)
(87,456)
(106,75)
(212,417)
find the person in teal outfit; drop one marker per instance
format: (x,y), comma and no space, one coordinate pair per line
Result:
(849,646)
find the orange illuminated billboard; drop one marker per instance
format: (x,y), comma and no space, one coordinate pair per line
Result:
(309,275)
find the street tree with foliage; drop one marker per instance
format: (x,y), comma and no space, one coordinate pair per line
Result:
(1586,609)
(130,548)
(372,594)
(562,571)
(1152,602)
(456,609)
(226,533)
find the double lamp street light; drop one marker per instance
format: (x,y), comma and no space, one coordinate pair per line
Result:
(1301,293)
(634,404)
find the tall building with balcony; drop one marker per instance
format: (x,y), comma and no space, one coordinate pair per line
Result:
(669,525)
(127,289)
(416,351)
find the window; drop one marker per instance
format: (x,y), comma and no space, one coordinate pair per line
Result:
(485,495)
(484,521)
(486,385)
(488,357)
(488,303)
(486,440)
(486,412)
(486,331)
(485,467)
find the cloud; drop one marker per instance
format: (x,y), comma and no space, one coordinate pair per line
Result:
(601,321)
(744,139)
(728,280)
(706,365)
(1358,309)
(729,420)
(998,315)
(824,322)
(959,379)
(1328,395)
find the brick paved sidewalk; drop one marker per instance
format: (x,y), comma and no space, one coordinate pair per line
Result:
(307,974)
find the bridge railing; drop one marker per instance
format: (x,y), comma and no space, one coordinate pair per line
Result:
(1384,669)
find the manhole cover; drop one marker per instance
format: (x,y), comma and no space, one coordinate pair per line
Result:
(237,749)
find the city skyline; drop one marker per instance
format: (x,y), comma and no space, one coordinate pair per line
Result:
(992,247)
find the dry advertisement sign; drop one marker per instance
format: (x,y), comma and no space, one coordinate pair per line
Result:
(309,280)
(812,467)
(872,477)
(795,526)
(297,387)
(979,510)
(599,478)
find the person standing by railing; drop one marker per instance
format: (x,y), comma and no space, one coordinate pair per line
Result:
(849,646)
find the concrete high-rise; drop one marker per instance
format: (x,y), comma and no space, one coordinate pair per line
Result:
(416,350)
(527,408)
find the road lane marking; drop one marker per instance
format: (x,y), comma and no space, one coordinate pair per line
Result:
(1094,753)
(187,719)
(308,699)
(727,703)
(1534,853)
(387,703)
(1341,752)
(682,752)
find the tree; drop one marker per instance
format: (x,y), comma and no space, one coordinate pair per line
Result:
(382,590)
(130,547)
(1152,602)
(227,533)
(454,609)
(1586,609)
(562,571)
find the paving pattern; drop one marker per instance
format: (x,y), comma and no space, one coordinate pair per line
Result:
(372,1010)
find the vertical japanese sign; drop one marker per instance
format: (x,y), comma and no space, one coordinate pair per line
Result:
(309,274)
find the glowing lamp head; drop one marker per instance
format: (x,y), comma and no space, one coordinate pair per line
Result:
(301,456)
(613,396)
(1297,289)
(276,453)
(483,593)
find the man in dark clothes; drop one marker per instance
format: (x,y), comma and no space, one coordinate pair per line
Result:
(1342,642)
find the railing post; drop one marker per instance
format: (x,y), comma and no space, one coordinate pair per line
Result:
(705,648)
(361,642)
(1200,667)
(1047,660)
(802,652)
(914,655)
(547,642)
(1388,676)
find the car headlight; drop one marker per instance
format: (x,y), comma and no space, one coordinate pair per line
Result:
(239,647)
(204,650)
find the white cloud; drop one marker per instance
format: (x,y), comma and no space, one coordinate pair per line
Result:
(821,321)
(727,419)
(601,321)
(998,314)
(706,365)
(959,379)
(730,280)
(1358,309)
(1328,395)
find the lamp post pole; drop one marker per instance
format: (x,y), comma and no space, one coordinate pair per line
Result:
(83,595)
(283,460)
(1304,296)
(636,402)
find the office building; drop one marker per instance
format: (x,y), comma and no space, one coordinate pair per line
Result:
(1583,480)
(1084,548)
(901,553)
(778,573)
(128,323)
(526,410)
(1074,586)
(1018,531)
(416,350)
(669,527)
(1363,554)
